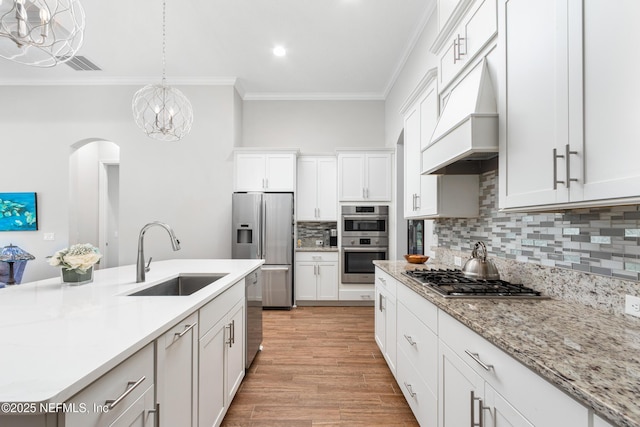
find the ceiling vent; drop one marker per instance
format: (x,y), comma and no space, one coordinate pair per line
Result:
(80,63)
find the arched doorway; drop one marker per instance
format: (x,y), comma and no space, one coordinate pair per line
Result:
(94,197)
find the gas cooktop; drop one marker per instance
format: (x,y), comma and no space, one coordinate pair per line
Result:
(454,284)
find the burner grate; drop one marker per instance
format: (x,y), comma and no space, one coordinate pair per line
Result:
(453,283)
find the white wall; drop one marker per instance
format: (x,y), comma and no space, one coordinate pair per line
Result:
(314,127)
(186,184)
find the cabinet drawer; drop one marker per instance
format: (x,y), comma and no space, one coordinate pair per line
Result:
(421,399)
(506,375)
(120,388)
(215,310)
(426,312)
(419,344)
(385,281)
(317,256)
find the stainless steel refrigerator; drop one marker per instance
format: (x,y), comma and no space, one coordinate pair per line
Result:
(262,227)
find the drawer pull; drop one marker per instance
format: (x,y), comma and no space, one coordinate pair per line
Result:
(187,328)
(131,385)
(476,358)
(408,338)
(156,415)
(410,390)
(481,408)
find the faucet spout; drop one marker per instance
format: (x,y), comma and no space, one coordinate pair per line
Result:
(141,269)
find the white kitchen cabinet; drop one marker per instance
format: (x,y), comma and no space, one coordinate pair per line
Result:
(114,399)
(471,26)
(364,176)
(316,276)
(562,141)
(221,354)
(599,422)
(177,380)
(431,196)
(467,357)
(385,317)
(499,412)
(265,171)
(417,346)
(317,189)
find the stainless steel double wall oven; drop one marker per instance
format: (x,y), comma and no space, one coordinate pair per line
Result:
(365,238)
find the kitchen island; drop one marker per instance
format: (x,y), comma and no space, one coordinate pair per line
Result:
(589,354)
(59,339)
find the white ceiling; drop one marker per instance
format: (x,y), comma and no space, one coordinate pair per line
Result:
(336,49)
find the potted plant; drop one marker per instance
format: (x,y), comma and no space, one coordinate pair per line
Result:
(77,263)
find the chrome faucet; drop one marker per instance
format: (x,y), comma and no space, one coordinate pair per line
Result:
(141,269)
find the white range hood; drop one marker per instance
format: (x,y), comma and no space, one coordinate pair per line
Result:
(467,130)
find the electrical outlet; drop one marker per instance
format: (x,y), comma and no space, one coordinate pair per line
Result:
(632,305)
(319,242)
(49,236)
(457,261)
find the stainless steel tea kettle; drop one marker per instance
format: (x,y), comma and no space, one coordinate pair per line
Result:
(478,266)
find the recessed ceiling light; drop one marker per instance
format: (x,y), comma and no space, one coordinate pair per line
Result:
(279,51)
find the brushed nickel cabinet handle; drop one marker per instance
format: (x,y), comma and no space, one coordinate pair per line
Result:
(410,389)
(476,358)
(567,156)
(187,328)
(408,338)
(131,385)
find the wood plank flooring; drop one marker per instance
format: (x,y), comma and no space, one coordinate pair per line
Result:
(320,366)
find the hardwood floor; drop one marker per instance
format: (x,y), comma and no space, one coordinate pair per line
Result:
(320,366)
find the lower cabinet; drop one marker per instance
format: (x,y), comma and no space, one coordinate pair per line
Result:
(385,317)
(122,397)
(469,363)
(451,376)
(221,355)
(177,381)
(316,276)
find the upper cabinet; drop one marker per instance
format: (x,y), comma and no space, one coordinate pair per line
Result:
(364,176)
(431,196)
(265,170)
(317,192)
(466,27)
(567,99)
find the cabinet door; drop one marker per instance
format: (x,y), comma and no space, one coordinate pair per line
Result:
(458,382)
(307,190)
(378,173)
(327,189)
(412,162)
(327,281)
(351,185)
(611,103)
(211,385)
(380,323)
(501,414)
(177,361)
(533,101)
(280,172)
(306,280)
(142,413)
(235,351)
(250,172)
(391,352)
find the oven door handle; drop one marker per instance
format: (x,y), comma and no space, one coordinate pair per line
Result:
(364,249)
(371,217)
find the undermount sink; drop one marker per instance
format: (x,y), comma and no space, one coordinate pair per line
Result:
(184,284)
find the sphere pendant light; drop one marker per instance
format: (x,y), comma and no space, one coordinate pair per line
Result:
(40,33)
(162,112)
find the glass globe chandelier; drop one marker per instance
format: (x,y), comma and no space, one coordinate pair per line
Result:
(162,112)
(41,33)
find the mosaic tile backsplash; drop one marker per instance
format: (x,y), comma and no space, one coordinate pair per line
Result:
(602,241)
(309,232)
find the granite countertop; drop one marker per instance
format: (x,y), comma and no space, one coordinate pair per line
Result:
(317,249)
(58,339)
(590,354)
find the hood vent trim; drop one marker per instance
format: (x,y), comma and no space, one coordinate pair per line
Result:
(467,131)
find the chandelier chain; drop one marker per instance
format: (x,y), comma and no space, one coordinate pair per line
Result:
(164,40)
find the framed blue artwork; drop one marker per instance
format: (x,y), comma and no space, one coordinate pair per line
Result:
(18,212)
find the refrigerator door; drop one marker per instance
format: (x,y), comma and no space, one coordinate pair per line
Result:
(277,286)
(277,217)
(246,226)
